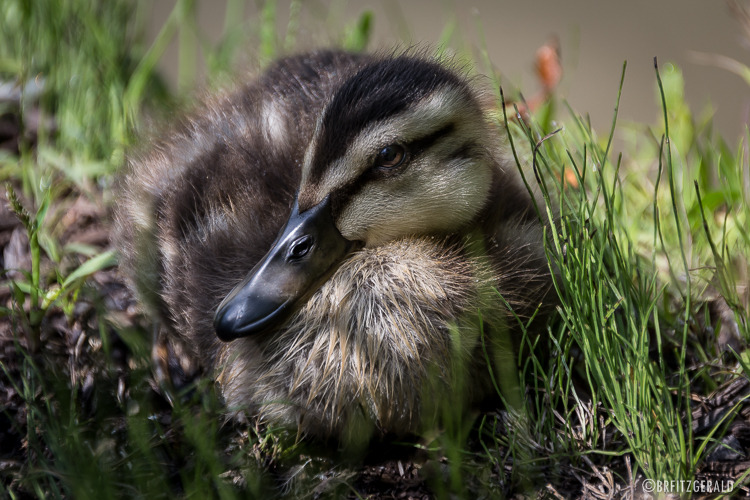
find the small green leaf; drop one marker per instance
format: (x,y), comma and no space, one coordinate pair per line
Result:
(41,213)
(358,35)
(81,248)
(101,261)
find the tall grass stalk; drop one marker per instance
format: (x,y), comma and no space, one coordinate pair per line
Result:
(617,316)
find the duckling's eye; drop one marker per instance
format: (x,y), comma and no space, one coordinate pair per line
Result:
(390,156)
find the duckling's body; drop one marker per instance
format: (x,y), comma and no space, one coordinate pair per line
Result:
(361,316)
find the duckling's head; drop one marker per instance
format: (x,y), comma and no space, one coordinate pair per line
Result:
(401,148)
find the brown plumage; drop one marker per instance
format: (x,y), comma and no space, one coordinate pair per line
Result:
(369,322)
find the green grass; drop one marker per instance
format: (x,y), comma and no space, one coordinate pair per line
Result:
(643,244)
(638,259)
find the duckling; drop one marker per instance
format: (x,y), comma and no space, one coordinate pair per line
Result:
(332,240)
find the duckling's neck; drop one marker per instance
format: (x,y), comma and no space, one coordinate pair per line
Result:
(504,203)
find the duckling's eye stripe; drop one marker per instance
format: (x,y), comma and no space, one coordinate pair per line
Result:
(468,150)
(417,146)
(414,148)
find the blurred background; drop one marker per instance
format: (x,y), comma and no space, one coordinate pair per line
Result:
(595,39)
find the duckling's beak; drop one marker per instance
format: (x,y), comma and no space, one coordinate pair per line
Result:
(302,258)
